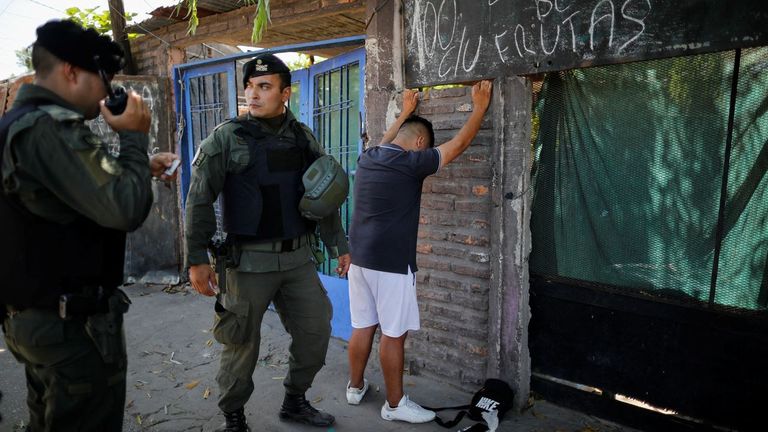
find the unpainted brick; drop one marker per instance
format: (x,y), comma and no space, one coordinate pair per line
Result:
(479,270)
(451,187)
(451,92)
(447,311)
(477,204)
(450,282)
(467,169)
(424,248)
(425,110)
(426,294)
(423,277)
(436,324)
(469,239)
(454,250)
(427,261)
(480,190)
(429,234)
(475,302)
(432,201)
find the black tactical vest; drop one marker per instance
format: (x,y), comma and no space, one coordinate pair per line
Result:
(262,201)
(40,260)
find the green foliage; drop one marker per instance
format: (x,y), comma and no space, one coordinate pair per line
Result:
(302,61)
(24,58)
(100,21)
(191,14)
(260,20)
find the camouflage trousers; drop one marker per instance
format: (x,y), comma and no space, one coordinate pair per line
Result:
(305,311)
(70,387)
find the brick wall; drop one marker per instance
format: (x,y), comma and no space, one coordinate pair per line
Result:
(454,250)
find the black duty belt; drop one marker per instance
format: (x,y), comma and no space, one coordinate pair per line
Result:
(289,245)
(70,306)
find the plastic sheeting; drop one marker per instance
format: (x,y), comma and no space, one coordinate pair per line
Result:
(628,173)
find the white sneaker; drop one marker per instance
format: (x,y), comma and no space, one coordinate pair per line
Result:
(355,395)
(407,411)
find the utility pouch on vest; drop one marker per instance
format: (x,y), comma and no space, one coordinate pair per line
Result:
(106,329)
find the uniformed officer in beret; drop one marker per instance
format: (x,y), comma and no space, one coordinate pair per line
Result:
(66,205)
(255,162)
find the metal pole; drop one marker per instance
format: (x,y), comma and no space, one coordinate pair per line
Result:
(724,185)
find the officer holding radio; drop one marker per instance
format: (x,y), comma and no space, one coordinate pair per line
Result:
(261,164)
(66,205)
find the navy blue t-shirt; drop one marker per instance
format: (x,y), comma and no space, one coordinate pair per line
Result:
(387,200)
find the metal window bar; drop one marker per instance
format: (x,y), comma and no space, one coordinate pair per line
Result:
(208,110)
(330,102)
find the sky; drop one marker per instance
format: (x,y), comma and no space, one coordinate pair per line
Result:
(20,18)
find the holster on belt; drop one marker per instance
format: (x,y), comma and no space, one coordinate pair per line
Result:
(105,329)
(224,254)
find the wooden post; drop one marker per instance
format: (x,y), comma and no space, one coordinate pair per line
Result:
(117,16)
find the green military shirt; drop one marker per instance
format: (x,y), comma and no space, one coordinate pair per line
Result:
(222,153)
(59,169)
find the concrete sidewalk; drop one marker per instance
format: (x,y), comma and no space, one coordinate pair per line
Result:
(173,360)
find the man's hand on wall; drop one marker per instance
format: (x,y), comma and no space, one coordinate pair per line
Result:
(410,101)
(481,95)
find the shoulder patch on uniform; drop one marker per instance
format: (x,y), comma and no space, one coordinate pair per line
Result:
(199,158)
(60,113)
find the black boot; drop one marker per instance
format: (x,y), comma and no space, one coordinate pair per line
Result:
(234,422)
(296,408)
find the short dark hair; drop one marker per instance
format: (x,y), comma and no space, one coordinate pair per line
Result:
(43,61)
(285,80)
(423,123)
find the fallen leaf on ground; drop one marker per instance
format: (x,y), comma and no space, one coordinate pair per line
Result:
(192,385)
(206,393)
(138,419)
(210,342)
(317,399)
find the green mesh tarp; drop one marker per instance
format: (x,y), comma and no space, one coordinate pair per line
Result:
(628,176)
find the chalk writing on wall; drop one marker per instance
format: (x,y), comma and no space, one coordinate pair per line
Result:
(464,40)
(149,91)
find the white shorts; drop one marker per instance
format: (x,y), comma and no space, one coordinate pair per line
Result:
(387,299)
